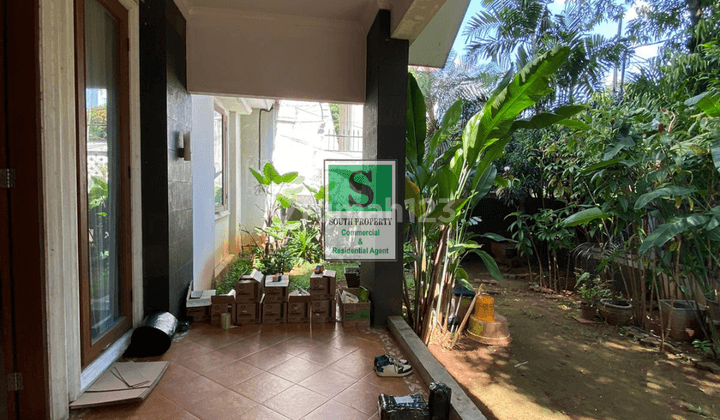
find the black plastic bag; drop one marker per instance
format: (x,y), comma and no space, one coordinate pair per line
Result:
(439,401)
(409,407)
(153,337)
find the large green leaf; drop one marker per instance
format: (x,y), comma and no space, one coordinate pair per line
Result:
(669,230)
(664,192)
(447,183)
(271,173)
(709,102)
(413,194)
(490,264)
(496,118)
(449,120)
(260,178)
(715,153)
(416,125)
(546,119)
(483,182)
(621,142)
(585,216)
(289,177)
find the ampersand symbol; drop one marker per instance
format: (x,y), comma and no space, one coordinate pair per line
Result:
(360,242)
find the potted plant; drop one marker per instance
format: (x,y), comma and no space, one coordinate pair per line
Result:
(617,311)
(591,290)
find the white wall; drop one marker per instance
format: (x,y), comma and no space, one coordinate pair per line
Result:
(278,56)
(203,198)
(251,203)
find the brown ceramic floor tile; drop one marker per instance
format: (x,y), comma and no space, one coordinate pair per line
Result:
(186,393)
(333,410)
(156,406)
(175,376)
(353,365)
(326,354)
(328,382)
(262,413)
(375,416)
(242,348)
(206,362)
(215,338)
(233,373)
(263,386)
(344,340)
(296,345)
(361,396)
(388,385)
(295,369)
(295,402)
(184,415)
(184,350)
(267,358)
(113,412)
(370,349)
(221,406)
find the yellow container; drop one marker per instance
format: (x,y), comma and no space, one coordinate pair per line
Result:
(485,308)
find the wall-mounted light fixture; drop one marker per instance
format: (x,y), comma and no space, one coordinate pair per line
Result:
(184,152)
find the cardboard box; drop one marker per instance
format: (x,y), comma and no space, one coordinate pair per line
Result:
(222,304)
(354,314)
(298,307)
(276,288)
(273,312)
(199,309)
(246,313)
(248,288)
(322,310)
(322,286)
(199,313)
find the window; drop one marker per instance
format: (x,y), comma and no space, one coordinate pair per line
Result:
(103,148)
(220,158)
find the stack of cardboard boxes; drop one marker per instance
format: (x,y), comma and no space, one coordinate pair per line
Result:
(265,299)
(322,296)
(298,307)
(274,300)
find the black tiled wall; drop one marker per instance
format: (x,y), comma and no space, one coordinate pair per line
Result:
(166,116)
(384,138)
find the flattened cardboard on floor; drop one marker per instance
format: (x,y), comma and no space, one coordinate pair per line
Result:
(112,386)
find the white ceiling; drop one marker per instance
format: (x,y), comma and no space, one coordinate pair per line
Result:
(349,10)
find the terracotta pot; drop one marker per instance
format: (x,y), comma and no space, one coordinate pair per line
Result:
(616,312)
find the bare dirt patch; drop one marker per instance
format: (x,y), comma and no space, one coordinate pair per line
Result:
(558,368)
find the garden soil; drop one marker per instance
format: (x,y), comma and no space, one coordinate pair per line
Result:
(558,368)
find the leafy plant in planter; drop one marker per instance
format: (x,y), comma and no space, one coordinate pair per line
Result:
(591,290)
(445,179)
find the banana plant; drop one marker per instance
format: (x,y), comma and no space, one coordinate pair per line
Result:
(288,186)
(443,188)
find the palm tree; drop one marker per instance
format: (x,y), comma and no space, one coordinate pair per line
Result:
(513,32)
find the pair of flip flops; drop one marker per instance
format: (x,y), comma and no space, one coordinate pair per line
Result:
(386,365)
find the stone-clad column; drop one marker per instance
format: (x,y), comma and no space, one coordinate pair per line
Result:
(384,116)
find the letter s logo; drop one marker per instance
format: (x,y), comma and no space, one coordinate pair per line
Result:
(361,188)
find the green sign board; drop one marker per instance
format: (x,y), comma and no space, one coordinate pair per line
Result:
(359,212)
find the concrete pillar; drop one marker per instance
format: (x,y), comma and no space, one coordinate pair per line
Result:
(384,138)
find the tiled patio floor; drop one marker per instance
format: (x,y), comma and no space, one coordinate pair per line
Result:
(272,372)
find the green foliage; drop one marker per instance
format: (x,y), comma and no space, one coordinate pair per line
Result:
(304,245)
(442,189)
(276,262)
(238,268)
(590,288)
